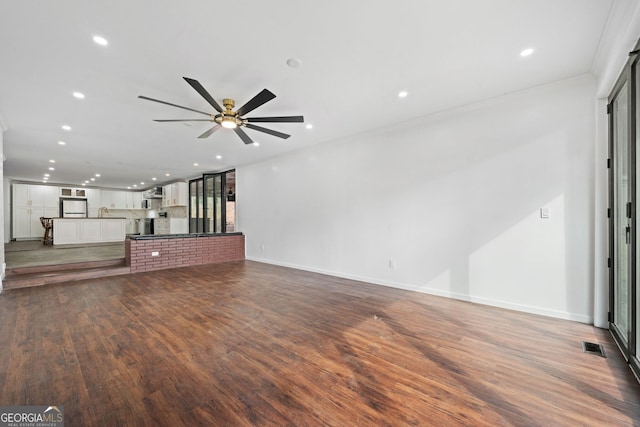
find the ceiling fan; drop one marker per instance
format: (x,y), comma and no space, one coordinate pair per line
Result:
(230,119)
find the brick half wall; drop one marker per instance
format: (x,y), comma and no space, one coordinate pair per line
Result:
(182,251)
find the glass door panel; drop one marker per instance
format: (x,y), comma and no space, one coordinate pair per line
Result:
(195,206)
(621,235)
(209,205)
(217,190)
(230,185)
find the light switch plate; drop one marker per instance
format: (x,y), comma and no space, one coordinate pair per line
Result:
(545,213)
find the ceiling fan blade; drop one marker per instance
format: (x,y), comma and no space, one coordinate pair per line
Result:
(210,131)
(269,131)
(261,98)
(173,105)
(203,92)
(286,119)
(243,136)
(183,120)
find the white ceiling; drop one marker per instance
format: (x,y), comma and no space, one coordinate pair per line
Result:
(356,56)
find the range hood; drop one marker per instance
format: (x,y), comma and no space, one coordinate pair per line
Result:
(153,193)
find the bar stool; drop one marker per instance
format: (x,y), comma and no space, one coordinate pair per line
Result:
(47,223)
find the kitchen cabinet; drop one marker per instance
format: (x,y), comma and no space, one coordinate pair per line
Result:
(112,199)
(88,230)
(30,202)
(134,200)
(80,193)
(176,194)
(93,202)
(35,195)
(26,221)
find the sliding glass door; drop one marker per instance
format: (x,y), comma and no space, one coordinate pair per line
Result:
(624,196)
(212,206)
(621,211)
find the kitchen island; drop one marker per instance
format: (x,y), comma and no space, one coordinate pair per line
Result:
(88,230)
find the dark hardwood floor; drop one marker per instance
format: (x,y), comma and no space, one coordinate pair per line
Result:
(245,343)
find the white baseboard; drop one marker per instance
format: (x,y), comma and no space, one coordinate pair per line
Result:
(438,292)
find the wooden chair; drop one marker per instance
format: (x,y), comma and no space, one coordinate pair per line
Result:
(47,223)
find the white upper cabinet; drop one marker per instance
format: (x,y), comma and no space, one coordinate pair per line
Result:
(112,199)
(136,200)
(93,198)
(35,195)
(176,194)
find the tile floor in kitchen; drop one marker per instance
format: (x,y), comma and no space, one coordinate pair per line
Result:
(32,252)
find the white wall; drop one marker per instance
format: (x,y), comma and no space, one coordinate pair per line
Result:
(451,200)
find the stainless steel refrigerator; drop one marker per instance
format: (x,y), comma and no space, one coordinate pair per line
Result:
(73,208)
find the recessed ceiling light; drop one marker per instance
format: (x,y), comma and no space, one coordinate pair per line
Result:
(153,179)
(66,127)
(52,161)
(47,175)
(100,40)
(403,94)
(62,143)
(293,62)
(135,185)
(218,157)
(142,183)
(309,126)
(167,174)
(78,95)
(98,175)
(526,52)
(195,164)
(45,178)
(83,184)
(93,179)
(128,188)
(256,144)
(52,169)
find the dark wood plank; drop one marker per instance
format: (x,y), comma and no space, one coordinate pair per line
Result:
(244,343)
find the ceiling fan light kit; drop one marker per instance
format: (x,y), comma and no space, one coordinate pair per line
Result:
(230,119)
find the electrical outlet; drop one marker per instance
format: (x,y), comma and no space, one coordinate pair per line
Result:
(392,263)
(154,253)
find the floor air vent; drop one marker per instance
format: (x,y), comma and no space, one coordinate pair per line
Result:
(593,348)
